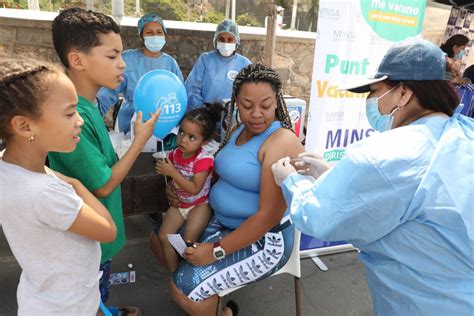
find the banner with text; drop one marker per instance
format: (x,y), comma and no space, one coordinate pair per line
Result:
(353,36)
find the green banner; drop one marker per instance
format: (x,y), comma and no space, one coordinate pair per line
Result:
(394,20)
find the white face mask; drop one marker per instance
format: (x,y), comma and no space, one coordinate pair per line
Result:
(226,49)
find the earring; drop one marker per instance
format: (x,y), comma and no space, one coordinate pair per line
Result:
(31,139)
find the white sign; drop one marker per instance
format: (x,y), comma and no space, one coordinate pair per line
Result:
(353,36)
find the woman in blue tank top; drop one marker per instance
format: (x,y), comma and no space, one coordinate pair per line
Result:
(250,236)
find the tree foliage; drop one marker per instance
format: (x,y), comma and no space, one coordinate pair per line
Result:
(247,20)
(167,9)
(249,13)
(213,17)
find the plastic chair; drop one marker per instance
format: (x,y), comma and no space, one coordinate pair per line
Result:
(292,266)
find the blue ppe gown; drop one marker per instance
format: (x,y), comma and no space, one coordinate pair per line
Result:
(212,77)
(137,65)
(405,198)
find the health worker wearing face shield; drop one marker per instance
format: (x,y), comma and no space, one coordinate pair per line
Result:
(139,61)
(405,196)
(212,76)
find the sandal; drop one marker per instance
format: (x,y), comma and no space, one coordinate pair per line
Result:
(125,311)
(232,305)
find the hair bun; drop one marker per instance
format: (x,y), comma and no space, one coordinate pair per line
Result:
(215,109)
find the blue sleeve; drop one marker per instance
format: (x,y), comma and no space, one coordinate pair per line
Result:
(108,97)
(194,84)
(353,201)
(177,71)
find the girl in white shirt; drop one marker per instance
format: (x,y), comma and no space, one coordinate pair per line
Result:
(52,223)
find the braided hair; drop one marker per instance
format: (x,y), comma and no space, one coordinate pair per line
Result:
(255,73)
(24,85)
(206,117)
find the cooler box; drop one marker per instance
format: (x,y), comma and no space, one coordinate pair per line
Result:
(297,110)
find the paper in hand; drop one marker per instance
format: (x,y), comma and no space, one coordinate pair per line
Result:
(177,243)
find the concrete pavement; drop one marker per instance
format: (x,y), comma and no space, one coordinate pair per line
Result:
(340,291)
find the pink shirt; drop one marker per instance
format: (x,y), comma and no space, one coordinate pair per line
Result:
(188,167)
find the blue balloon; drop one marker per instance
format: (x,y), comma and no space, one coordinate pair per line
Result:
(161,89)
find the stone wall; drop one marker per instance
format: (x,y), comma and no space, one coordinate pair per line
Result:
(31,36)
(29,33)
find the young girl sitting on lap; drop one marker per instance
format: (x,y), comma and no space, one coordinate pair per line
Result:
(190,167)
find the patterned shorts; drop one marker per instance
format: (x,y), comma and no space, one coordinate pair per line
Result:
(253,263)
(104,280)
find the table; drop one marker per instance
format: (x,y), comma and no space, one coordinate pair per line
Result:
(143,191)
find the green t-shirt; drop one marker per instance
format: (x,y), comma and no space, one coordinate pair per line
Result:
(91,163)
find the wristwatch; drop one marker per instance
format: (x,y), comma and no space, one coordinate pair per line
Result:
(218,251)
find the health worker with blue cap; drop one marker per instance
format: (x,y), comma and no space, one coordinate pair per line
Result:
(404,197)
(212,76)
(152,33)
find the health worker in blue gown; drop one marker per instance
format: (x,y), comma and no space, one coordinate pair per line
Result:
(139,61)
(212,76)
(405,196)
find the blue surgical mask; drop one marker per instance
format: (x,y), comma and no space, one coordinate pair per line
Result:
(380,122)
(459,55)
(154,43)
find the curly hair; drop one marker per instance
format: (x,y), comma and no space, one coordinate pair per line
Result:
(206,117)
(255,73)
(79,29)
(24,85)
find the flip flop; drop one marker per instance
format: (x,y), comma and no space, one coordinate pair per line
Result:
(232,305)
(125,311)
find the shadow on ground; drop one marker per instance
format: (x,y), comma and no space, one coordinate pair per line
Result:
(340,291)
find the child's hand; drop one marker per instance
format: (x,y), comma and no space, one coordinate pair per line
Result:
(76,184)
(165,167)
(171,195)
(143,131)
(66,179)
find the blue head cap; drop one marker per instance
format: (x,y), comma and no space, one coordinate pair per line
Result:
(413,59)
(228,26)
(147,18)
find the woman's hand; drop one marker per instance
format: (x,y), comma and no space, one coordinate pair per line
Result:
(165,167)
(201,255)
(171,195)
(454,66)
(282,169)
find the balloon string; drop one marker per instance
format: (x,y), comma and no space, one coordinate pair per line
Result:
(164,155)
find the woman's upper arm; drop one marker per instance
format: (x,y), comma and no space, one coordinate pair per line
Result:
(281,144)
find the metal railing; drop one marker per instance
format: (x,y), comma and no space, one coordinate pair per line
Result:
(299,14)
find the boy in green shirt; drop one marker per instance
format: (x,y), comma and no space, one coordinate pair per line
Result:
(89,46)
